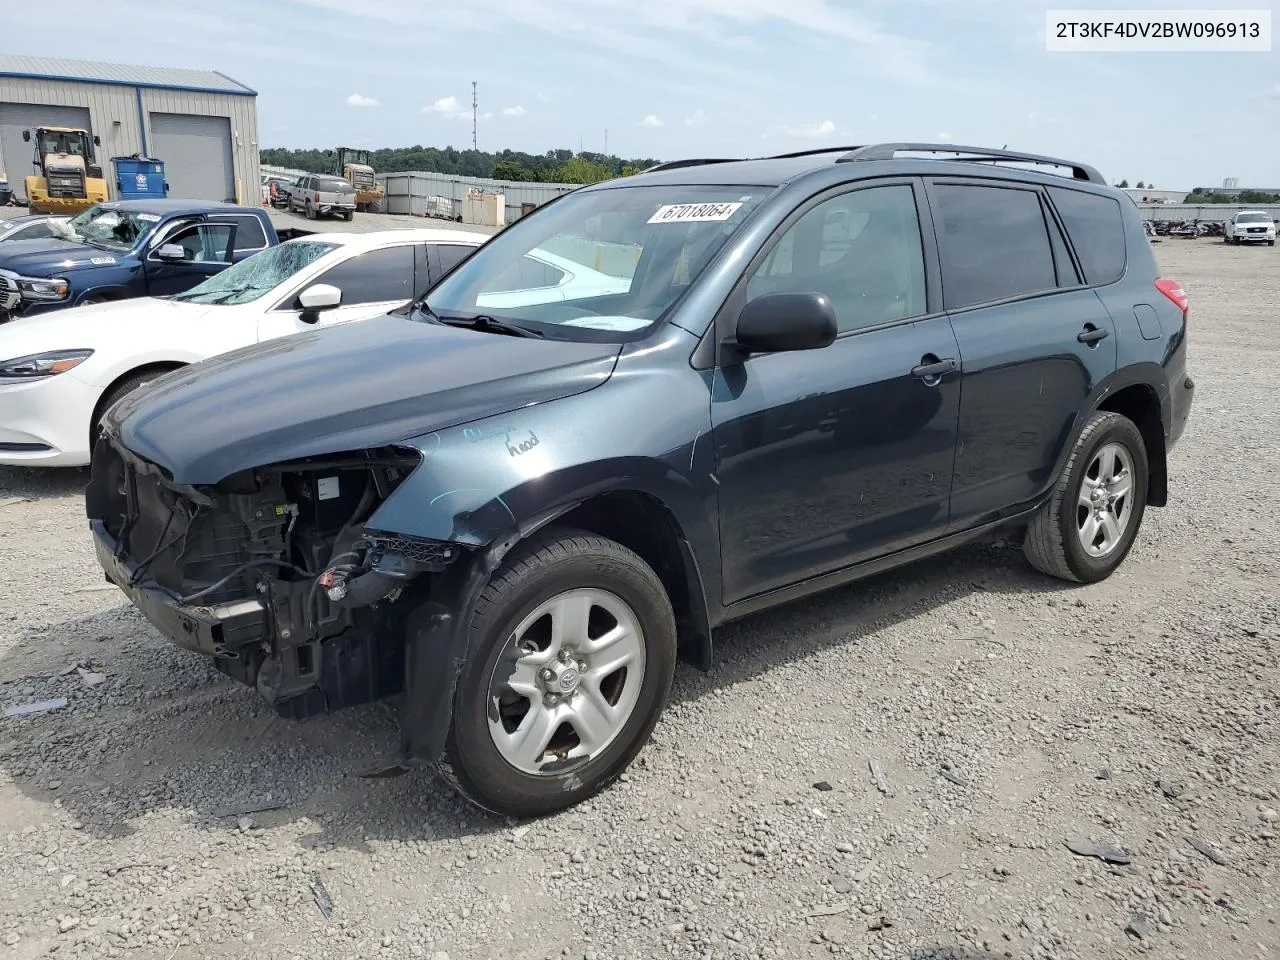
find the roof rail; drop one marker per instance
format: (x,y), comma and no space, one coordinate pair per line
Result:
(808,153)
(677,164)
(887,151)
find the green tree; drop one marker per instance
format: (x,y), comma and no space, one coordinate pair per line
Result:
(1122,184)
(1140,184)
(580,169)
(511,170)
(630,170)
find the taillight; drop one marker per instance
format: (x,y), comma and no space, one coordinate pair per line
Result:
(317,198)
(1173,290)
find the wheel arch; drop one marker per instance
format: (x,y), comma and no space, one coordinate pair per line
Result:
(1140,403)
(99,408)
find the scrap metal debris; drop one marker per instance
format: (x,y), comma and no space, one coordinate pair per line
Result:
(877,775)
(1103,851)
(321,897)
(823,786)
(1139,928)
(828,911)
(42,706)
(1206,849)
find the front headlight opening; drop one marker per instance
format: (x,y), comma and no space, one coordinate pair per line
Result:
(44,289)
(42,364)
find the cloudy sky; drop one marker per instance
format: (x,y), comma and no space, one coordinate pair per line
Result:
(670,78)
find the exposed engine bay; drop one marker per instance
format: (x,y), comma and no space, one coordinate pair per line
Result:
(274,572)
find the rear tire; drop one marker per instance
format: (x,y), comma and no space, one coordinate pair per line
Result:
(348,215)
(518,744)
(1089,524)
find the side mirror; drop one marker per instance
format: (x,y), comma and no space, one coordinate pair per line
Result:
(172,252)
(97,141)
(26,136)
(317,297)
(782,322)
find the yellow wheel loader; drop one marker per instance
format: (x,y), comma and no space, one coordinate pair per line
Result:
(69,180)
(354,167)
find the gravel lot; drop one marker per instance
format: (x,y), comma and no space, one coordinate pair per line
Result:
(1004,714)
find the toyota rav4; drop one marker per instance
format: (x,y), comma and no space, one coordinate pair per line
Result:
(517,501)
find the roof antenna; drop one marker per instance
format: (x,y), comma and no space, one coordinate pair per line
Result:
(1005,147)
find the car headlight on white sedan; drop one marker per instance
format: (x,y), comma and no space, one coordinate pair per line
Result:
(39,365)
(33,289)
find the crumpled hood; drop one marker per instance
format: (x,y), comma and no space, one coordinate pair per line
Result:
(49,257)
(348,387)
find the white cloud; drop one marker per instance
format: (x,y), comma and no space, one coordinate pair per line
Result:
(695,119)
(652,121)
(944,136)
(360,100)
(516,111)
(809,131)
(448,107)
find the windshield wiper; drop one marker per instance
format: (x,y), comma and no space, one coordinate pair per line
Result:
(483,321)
(220,294)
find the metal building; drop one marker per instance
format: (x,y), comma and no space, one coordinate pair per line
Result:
(201,123)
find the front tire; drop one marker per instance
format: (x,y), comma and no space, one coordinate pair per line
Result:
(573,650)
(1089,524)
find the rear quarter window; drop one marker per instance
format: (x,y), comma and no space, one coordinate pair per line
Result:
(1096,227)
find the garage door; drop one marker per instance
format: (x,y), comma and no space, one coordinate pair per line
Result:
(197,155)
(16,156)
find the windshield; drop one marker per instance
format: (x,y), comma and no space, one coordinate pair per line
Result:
(254,277)
(1253,218)
(108,228)
(614,260)
(59,141)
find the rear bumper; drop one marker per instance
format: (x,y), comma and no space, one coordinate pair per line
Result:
(196,628)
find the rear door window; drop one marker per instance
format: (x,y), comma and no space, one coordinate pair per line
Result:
(1096,228)
(993,243)
(249,232)
(374,277)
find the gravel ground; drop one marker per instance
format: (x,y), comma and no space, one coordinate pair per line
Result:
(1003,715)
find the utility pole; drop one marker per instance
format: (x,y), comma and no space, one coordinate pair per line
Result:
(475,104)
(606,141)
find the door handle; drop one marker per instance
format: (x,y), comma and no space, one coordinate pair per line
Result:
(931,369)
(1091,334)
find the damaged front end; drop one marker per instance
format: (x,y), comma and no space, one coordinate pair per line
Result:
(273,572)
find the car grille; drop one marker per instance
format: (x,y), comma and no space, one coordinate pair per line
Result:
(426,552)
(1257,229)
(10,296)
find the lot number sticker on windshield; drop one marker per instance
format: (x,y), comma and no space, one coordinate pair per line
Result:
(694,212)
(149,217)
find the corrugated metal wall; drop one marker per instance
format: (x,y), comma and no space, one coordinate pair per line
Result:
(114,117)
(1207,211)
(409,192)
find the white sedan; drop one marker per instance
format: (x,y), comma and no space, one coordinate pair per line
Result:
(59,372)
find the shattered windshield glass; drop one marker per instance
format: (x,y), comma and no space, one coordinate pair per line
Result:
(250,279)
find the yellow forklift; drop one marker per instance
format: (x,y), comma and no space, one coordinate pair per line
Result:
(354,167)
(69,180)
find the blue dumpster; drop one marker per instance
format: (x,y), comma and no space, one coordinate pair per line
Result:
(139,178)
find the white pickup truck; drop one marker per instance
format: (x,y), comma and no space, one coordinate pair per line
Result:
(1250,226)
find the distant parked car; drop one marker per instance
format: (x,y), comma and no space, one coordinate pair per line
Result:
(1250,226)
(37,226)
(47,413)
(319,196)
(6,191)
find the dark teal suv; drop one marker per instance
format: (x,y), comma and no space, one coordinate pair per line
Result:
(653,406)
